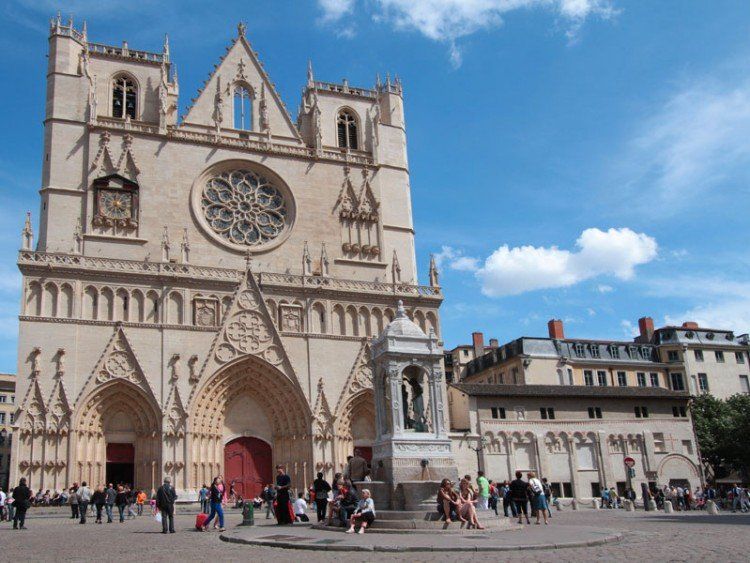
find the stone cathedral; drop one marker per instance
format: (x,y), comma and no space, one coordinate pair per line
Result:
(202,290)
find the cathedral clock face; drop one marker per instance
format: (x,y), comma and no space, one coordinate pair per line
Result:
(115,204)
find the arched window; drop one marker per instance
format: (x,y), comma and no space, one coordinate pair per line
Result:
(243,108)
(124,97)
(347,130)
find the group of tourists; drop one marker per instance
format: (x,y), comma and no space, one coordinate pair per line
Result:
(104,499)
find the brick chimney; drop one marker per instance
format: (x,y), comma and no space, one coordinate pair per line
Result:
(690,324)
(555,327)
(646,328)
(477,339)
(494,343)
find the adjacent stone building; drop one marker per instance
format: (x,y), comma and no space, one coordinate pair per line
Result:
(202,291)
(574,411)
(7,414)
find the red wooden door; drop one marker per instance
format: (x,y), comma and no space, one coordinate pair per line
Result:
(247,462)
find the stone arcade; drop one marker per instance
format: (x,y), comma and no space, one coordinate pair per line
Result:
(203,290)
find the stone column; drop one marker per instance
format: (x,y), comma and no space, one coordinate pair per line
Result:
(573,461)
(541,454)
(606,463)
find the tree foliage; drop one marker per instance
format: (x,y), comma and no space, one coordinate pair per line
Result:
(722,428)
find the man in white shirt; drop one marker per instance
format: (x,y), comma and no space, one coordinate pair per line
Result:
(300,508)
(2,505)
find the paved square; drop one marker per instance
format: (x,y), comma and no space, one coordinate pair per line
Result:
(659,537)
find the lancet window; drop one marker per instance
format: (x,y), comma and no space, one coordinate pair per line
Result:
(346,126)
(124,97)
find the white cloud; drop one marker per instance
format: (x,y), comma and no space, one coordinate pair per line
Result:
(333,10)
(616,252)
(698,139)
(723,303)
(604,288)
(629,329)
(591,312)
(449,20)
(455,260)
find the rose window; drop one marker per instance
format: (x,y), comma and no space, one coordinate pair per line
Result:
(244,207)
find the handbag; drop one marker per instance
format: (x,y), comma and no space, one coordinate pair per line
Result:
(157,516)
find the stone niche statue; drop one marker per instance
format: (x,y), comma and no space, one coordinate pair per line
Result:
(412,440)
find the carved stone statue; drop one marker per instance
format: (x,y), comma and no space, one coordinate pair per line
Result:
(405,406)
(420,422)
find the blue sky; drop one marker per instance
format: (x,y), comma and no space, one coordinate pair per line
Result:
(581,159)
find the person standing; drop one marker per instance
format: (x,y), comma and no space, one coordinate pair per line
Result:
(269,495)
(98,499)
(494,497)
(284,511)
(217,497)
(507,500)
(484,490)
(84,497)
(165,498)
(203,497)
(356,469)
(73,499)
(538,497)
(140,498)
(321,488)
(121,500)
(518,496)
(549,495)
(109,501)
(22,502)
(2,505)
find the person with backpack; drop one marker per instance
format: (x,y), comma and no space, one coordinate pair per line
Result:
(736,502)
(494,496)
(84,497)
(539,500)
(99,499)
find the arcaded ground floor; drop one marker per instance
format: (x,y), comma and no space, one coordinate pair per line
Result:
(656,537)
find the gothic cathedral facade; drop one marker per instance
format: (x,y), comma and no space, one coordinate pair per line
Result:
(202,291)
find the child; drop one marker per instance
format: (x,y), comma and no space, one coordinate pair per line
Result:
(300,508)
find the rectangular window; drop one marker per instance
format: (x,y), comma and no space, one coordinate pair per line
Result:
(702,383)
(595,351)
(719,356)
(614,351)
(698,355)
(570,376)
(659,445)
(588,377)
(641,379)
(673,356)
(744,384)
(595,412)
(740,357)
(465,352)
(567,490)
(679,412)
(601,376)
(637,412)
(596,490)
(654,379)
(644,412)
(556,489)
(687,447)
(547,413)
(12,418)
(514,373)
(579,350)
(678,382)
(498,412)
(622,379)
(3,398)
(2,418)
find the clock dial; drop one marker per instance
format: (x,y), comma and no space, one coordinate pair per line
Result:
(115,205)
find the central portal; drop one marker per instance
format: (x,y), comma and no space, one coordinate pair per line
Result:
(120,464)
(247,463)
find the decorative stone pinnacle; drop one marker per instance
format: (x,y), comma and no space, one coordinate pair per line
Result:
(400,310)
(241,27)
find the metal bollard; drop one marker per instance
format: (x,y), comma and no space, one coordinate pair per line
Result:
(248,514)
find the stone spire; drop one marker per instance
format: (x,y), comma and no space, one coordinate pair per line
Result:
(27,235)
(218,107)
(165,50)
(310,77)
(434,274)
(324,271)
(165,245)
(306,261)
(395,269)
(185,247)
(263,109)
(78,238)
